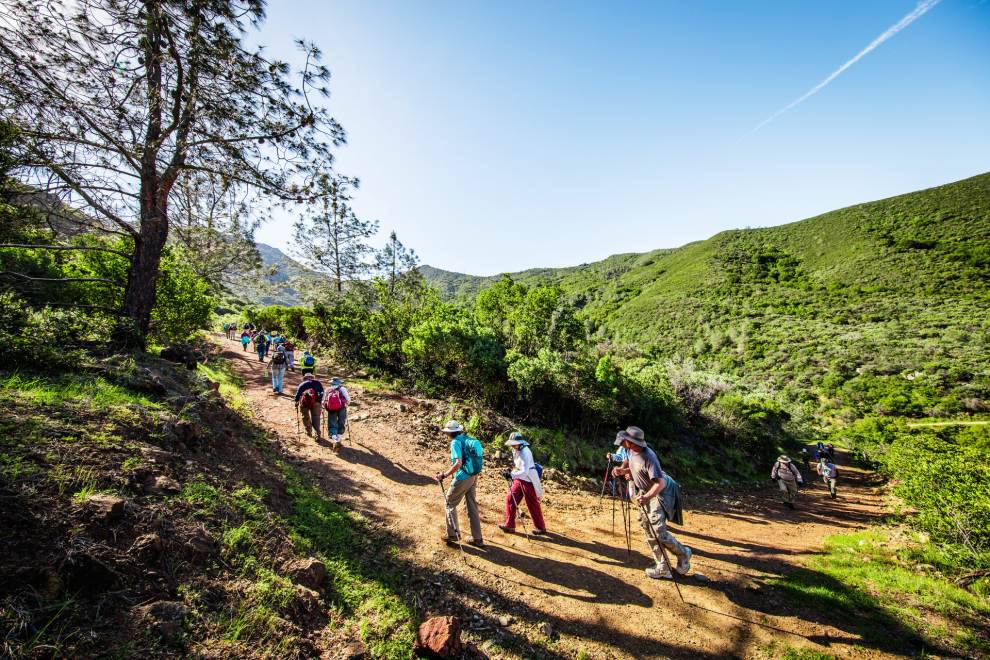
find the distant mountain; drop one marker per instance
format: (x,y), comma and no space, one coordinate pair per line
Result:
(281,272)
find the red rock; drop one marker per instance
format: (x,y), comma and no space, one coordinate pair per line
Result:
(308,572)
(107,508)
(439,637)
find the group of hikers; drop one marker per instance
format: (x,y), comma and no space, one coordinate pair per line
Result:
(788,476)
(638,477)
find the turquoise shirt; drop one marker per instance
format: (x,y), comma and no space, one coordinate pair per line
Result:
(457,447)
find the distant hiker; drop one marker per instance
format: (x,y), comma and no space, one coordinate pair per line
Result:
(290,354)
(260,345)
(308,363)
(277,368)
(804,459)
(830,450)
(829,473)
(335,402)
(787,476)
(245,339)
(308,397)
(660,495)
(524,483)
(465,464)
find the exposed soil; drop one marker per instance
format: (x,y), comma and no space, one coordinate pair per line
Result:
(581,580)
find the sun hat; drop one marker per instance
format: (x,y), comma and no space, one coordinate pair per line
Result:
(515,439)
(308,376)
(336,382)
(452,426)
(633,434)
(618,439)
(784,459)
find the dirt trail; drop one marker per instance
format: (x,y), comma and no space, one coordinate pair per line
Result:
(581,579)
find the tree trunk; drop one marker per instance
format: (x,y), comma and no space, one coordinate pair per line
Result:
(139,296)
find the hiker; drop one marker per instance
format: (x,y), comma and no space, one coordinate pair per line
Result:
(307,400)
(805,460)
(308,363)
(524,483)
(245,339)
(260,345)
(465,465)
(618,488)
(277,369)
(290,354)
(335,402)
(660,496)
(829,473)
(787,476)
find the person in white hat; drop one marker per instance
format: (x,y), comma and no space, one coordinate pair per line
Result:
(643,467)
(787,477)
(465,466)
(524,484)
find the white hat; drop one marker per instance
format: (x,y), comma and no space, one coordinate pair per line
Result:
(515,439)
(452,426)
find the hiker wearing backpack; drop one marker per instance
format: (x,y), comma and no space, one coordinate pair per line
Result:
(335,401)
(290,354)
(277,367)
(307,400)
(787,476)
(261,345)
(308,363)
(620,488)
(829,473)
(466,461)
(245,340)
(524,483)
(658,497)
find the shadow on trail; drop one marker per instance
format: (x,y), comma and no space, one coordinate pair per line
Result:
(393,471)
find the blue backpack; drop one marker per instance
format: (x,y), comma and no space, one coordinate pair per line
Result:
(473,455)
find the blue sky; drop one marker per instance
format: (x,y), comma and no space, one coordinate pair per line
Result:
(500,136)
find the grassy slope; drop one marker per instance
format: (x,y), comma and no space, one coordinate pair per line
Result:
(876,290)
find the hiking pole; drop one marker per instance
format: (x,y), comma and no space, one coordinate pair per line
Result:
(298,436)
(519,514)
(663,551)
(450,520)
(613,508)
(604,483)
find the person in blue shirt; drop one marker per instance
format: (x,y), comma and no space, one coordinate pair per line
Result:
(465,465)
(620,487)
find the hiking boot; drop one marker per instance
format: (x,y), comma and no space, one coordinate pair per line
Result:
(789,505)
(684,563)
(659,573)
(478,543)
(449,540)
(539,532)
(507,529)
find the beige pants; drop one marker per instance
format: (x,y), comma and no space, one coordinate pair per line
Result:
(465,489)
(311,420)
(789,489)
(658,521)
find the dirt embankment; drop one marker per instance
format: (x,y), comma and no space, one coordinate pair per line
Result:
(580,583)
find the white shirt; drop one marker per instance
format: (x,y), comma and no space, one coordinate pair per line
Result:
(525,468)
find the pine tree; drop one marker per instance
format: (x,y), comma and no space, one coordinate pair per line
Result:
(395,260)
(329,237)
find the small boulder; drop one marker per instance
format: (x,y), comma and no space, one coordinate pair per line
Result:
(402,407)
(165,617)
(439,637)
(547,629)
(106,508)
(355,651)
(181,354)
(201,542)
(305,600)
(308,572)
(186,432)
(159,484)
(147,546)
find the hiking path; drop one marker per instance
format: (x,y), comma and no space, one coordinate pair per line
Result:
(580,579)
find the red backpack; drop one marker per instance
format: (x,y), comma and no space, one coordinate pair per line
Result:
(308,399)
(334,400)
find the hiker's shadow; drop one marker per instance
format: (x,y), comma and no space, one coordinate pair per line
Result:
(583,584)
(355,452)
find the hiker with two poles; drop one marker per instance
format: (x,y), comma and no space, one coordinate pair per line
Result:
(466,462)
(524,483)
(308,400)
(658,497)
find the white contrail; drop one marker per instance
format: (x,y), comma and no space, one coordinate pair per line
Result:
(915,14)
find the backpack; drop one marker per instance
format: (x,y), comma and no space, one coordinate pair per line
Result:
(539,470)
(309,361)
(334,399)
(473,455)
(279,358)
(308,398)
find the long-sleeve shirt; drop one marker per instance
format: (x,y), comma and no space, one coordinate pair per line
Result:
(343,392)
(525,468)
(314,385)
(620,456)
(785,471)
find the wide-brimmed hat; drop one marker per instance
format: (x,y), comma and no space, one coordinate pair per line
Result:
(308,376)
(336,382)
(784,459)
(618,439)
(633,434)
(452,426)
(516,439)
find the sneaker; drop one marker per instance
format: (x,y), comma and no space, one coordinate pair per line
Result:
(507,529)
(478,543)
(539,532)
(684,563)
(659,573)
(449,540)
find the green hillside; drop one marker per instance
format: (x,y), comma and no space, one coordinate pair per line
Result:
(876,308)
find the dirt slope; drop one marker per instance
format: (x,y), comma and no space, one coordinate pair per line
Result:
(581,579)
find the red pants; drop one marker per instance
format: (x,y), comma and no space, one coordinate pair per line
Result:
(517,492)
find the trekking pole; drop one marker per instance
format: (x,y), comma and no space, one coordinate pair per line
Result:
(519,514)
(450,520)
(628,526)
(605,482)
(613,508)
(663,551)
(298,435)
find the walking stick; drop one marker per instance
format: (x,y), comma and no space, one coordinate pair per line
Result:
(605,482)
(613,508)
(519,513)
(663,551)
(450,523)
